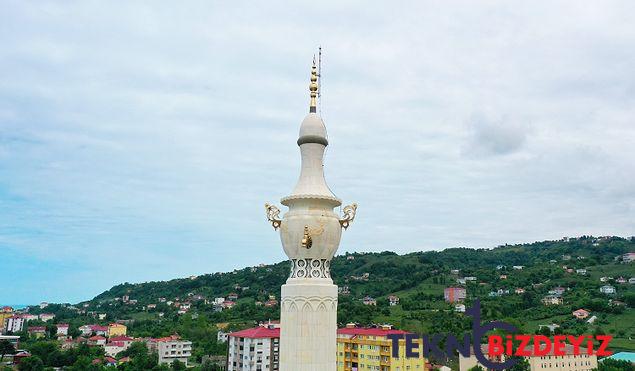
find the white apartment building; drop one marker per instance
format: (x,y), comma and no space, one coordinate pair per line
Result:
(15,323)
(254,349)
(171,348)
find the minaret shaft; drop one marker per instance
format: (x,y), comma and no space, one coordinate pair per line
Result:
(310,233)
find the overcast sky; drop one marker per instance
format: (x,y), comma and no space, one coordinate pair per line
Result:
(140,140)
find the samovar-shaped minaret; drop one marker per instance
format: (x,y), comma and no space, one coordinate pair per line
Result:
(310,232)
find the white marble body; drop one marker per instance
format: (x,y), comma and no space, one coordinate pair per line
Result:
(309,297)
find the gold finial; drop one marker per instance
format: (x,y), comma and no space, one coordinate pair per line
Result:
(313,88)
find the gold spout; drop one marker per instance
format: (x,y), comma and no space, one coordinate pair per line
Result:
(307,242)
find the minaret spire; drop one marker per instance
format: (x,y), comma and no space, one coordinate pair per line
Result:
(313,88)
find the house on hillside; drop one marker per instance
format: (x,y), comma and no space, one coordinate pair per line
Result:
(628,257)
(518,267)
(45,317)
(519,291)
(607,289)
(454,294)
(97,340)
(552,300)
(621,280)
(557,290)
(393,300)
(37,332)
(99,330)
(581,313)
(459,308)
(369,301)
(117,329)
(62,329)
(581,272)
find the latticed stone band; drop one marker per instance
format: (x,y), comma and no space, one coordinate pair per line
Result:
(310,268)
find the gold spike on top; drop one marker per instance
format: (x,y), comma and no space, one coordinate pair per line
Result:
(313,88)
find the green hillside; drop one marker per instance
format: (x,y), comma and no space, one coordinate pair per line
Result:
(417,278)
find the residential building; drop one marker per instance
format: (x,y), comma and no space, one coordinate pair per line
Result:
(227,304)
(13,339)
(62,329)
(222,336)
(371,349)
(4,316)
(97,340)
(557,291)
(519,291)
(518,267)
(86,329)
(459,308)
(607,289)
(117,344)
(631,280)
(552,300)
(628,257)
(549,362)
(29,317)
(45,317)
(582,272)
(393,300)
(552,327)
(454,294)
(621,280)
(369,301)
(581,314)
(37,332)
(15,323)
(171,348)
(254,349)
(232,297)
(117,329)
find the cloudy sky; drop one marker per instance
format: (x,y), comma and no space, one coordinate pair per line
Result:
(140,140)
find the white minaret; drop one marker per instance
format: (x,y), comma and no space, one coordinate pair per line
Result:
(310,232)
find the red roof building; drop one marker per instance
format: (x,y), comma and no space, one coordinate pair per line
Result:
(257,333)
(246,347)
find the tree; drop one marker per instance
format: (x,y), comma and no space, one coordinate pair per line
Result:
(6,348)
(476,368)
(208,365)
(178,365)
(609,364)
(32,363)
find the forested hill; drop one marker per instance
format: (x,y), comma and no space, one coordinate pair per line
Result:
(388,272)
(576,266)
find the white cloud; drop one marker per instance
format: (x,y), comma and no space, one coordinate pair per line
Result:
(142,128)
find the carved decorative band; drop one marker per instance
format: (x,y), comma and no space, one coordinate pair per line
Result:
(309,304)
(310,268)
